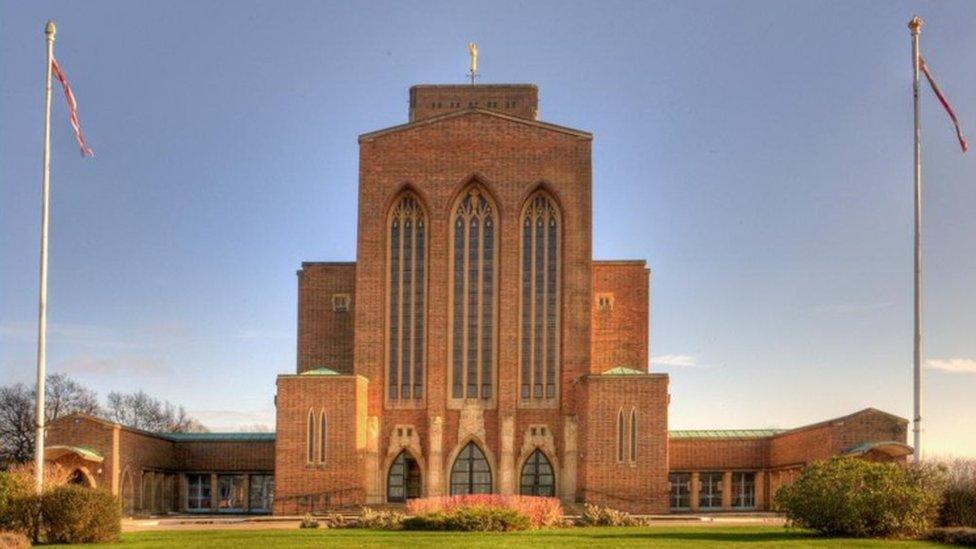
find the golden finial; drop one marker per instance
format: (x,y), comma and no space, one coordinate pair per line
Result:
(473,51)
(50,30)
(915,25)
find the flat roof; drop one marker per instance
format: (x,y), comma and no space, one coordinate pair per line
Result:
(219,437)
(725,433)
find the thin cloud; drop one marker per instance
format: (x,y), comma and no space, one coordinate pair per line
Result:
(679,361)
(952,365)
(113,365)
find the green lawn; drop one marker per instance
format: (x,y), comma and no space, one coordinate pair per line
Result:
(656,536)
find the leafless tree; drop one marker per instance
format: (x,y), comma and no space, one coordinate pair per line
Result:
(63,396)
(142,411)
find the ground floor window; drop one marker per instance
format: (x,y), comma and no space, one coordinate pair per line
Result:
(230,493)
(261,493)
(470,473)
(537,476)
(198,492)
(710,491)
(743,490)
(679,487)
(403,482)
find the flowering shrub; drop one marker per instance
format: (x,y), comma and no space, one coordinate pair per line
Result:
(380,520)
(541,512)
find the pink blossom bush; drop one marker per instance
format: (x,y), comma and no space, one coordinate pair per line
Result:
(541,512)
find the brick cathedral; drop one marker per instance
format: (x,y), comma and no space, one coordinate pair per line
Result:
(474,346)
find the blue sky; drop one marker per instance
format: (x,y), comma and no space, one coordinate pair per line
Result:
(757,154)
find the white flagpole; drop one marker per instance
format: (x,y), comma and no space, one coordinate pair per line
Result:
(915,26)
(50,31)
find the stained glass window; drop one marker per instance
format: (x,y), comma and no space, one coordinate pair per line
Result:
(539,348)
(405,353)
(473,297)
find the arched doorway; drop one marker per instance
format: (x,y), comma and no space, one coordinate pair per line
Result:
(470,473)
(403,482)
(81,478)
(127,498)
(537,476)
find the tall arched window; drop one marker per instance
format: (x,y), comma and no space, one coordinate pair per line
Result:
(406,297)
(633,435)
(539,354)
(620,435)
(537,476)
(471,473)
(474,264)
(310,438)
(323,436)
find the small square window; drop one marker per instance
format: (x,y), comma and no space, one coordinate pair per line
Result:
(341,302)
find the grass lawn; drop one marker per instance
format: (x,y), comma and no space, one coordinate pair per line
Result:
(656,536)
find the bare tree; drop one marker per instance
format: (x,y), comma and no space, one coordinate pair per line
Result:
(63,396)
(142,411)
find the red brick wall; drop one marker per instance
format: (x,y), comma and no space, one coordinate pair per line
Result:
(512,159)
(637,487)
(520,100)
(82,431)
(226,456)
(341,476)
(718,454)
(325,336)
(619,336)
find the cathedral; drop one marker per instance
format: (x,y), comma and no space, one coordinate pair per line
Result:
(474,347)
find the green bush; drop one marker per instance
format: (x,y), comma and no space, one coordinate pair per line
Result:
(959,507)
(21,514)
(7,493)
(847,496)
(598,515)
(13,540)
(474,518)
(74,514)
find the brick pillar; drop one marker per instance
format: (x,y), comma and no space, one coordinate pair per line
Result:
(214,493)
(694,492)
(727,491)
(760,490)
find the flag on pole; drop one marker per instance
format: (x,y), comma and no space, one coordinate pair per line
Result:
(69,96)
(945,103)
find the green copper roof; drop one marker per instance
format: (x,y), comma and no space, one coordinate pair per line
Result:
(725,433)
(623,371)
(321,372)
(219,437)
(82,451)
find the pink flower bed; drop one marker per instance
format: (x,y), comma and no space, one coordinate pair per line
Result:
(540,511)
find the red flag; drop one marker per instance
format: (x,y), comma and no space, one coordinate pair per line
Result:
(72,108)
(945,103)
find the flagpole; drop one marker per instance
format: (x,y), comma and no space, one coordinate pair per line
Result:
(915,26)
(49,31)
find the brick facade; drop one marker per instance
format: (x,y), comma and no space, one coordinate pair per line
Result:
(600,420)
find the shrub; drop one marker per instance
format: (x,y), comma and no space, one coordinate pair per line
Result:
(959,502)
(957,536)
(847,496)
(333,520)
(13,540)
(73,514)
(598,515)
(541,512)
(308,522)
(380,520)
(475,518)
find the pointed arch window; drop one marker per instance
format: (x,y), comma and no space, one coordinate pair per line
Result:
(633,435)
(620,435)
(323,436)
(470,473)
(310,438)
(403,480)
(473,295)
(540,302)
(538,478)
(406,296)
